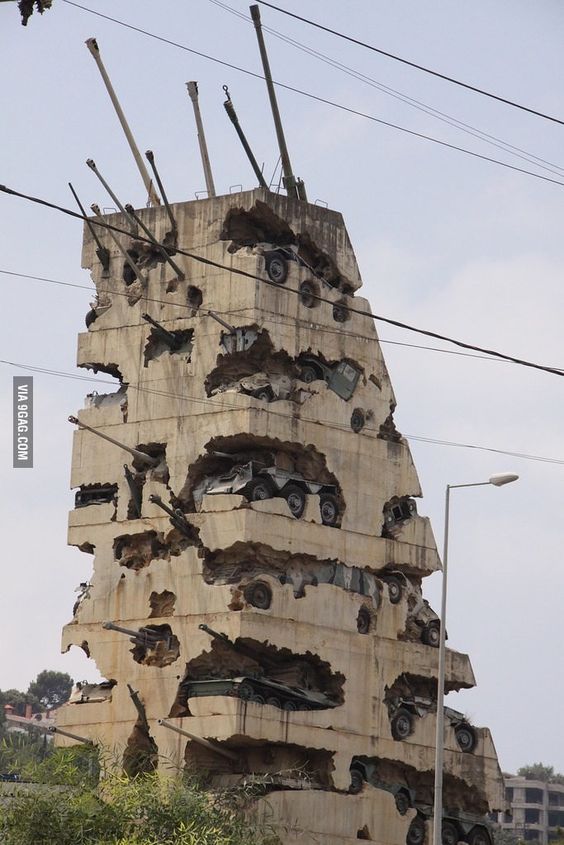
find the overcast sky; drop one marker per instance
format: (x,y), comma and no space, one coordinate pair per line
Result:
(444,241)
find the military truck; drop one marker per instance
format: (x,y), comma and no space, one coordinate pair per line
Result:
(257,482)
(366,771)
(403,712)
(456,827)
(342,378)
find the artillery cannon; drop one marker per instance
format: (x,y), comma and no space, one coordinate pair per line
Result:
(146,637)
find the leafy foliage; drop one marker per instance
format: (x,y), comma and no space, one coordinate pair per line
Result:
(538,771)
(51,688)
(72,806)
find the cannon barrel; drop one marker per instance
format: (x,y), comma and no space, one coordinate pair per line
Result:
(264,662)
(232,114)
(143,636)
(149,155)
(133,214)
(168,337)
(133,489)
(141,456)
(54,730)
(230,755)
(176,516)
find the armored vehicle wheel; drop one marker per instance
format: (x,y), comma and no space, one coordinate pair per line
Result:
(479,836)
(358,420)
(258,698)
(259,595)
(274,702)
(329,509)
(265,394)
(465,737)
(449,833)
(296,499)
(402,803)
(363,620)
(431,634)
(416,832)
(276,267)
(394,589)
(289,705)
(357,782)
(245,691)
(340,313)
(258,489)
(307,294)
(308,373)
(402,724)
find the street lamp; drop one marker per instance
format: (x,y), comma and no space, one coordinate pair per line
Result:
(497,481)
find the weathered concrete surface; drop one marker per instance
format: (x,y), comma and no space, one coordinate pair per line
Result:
(331,615)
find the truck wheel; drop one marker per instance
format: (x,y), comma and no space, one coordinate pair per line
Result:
(479,836)
(357,782)
(402,803)
(259,595)
(307,294)
(329,509)
(416,833)
(308,373)
(340,313)
(449,833)
(296,499)
(465,737)
(258,489)
(401,724)
(276,267)
(431,634)
(363,620)
(358,420)
(394,589)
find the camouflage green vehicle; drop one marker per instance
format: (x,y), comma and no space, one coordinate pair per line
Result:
(259,691)
(456,827)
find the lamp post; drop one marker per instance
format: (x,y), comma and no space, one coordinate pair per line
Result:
(497,481)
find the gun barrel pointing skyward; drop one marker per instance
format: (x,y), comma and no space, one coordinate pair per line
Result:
(140,456)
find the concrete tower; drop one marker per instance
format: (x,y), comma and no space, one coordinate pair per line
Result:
(263,420)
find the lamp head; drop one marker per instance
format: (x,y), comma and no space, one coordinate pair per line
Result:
(503,478)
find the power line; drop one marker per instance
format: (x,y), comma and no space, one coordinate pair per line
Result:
(473,131)
(319,99)
(361,312)
(414,64)
(232,406)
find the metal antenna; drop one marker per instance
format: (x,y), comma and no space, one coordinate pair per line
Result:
(294,187)
(230,109)
(101,251)
(193,91)
(151,159)
(92,45)
(130,210)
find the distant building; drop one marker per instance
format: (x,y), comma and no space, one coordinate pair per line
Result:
(537,810)
(24,724)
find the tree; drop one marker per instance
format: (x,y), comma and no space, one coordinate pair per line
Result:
(538,771)
(51,688)
(19,701)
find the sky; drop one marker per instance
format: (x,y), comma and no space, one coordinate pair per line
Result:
(445,241)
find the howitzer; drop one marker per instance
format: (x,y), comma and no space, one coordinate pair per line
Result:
(232,114)
(212,746)
(167,337)
(140,456)
(144,636)
(264,662)
(177,518)
(54,730)
(139,706)
(151,159)
(134,490)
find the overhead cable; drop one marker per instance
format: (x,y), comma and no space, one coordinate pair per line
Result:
(396,58)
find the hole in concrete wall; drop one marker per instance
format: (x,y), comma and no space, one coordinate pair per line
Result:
(364,833)
(128,273)
(136,551)
(97,494)
(162,653)
(397,513)
(341,313)
(242,562)
(107,400)
(267,765)
(309,291)
(388,430)
(86,693)
(179,343)
(162,604)
(158,452)
(109,369)
(283,467)
(243,669)
(83,591)
(260,227)
(85,647)
(141,752)
(194,298)
(86,547)
(135,482)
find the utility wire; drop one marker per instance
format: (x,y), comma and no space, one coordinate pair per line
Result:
(276,319)
(396,58)
(351,309)
(319,99)
(499,143)
(211,402)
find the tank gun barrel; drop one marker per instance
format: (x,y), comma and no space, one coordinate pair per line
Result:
(212,746)
(140,456)
(54,730)
(143,636)
(176,516)
(168,337)
(133,214)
